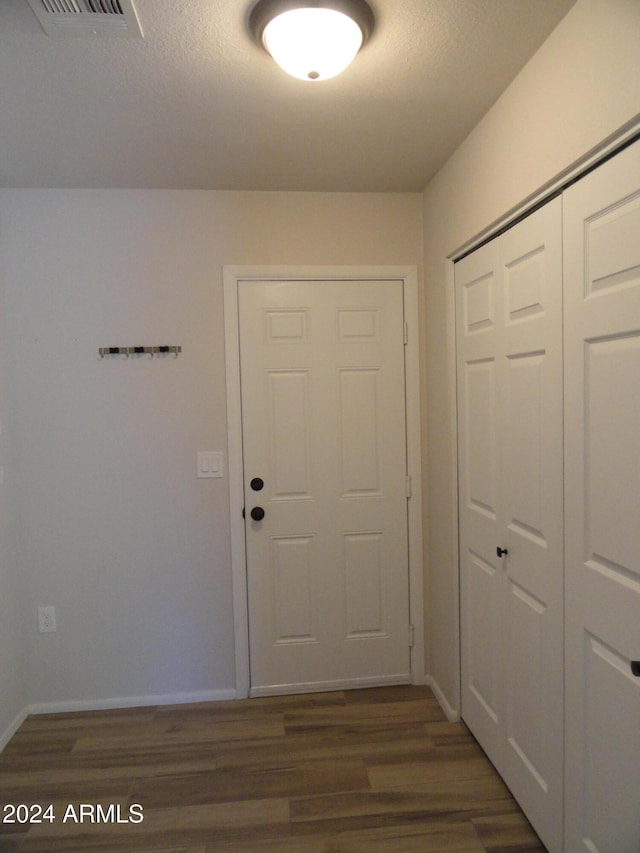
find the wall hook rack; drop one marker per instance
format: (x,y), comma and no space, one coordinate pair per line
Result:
(151,351)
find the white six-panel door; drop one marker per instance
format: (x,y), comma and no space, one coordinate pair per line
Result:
(509,334)
(323,423)
(602,416)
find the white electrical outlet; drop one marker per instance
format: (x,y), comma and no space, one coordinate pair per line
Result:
(47,620)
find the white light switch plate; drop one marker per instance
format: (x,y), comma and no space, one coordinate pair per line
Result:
(47,620)
(210,463)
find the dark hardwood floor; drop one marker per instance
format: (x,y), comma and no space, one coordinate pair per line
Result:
(349,772)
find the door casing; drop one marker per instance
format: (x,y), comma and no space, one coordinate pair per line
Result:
(231,276)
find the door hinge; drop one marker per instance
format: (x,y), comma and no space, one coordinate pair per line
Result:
(406,333)
(412,636)
(408,485)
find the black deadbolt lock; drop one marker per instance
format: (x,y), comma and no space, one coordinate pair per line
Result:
(257,483)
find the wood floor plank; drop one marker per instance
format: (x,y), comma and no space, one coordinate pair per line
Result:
(401,838)
(161,731)
(379,744)
(361,715)
(39,742)
(79,721)
(379,770)
(94,789)
(195,825)
(259,780)
(507,833)
(402,775)
(475,797)
(198,849)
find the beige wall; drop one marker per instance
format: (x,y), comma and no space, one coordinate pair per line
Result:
(113,527)
(581,87)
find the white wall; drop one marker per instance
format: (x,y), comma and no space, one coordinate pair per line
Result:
(113,527)
(12,693)
(579,89)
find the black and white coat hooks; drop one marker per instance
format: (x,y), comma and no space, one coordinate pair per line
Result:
(151,351)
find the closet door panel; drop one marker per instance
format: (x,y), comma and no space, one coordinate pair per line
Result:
(532,497)
(478,311)
(510,455)
(602,416)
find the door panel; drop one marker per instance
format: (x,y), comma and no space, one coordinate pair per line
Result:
(360,439)
(532,510)
(611,368)
(364,585)
(526,683)
(483,650)
(611,712)
(509,305)
(523,452)
(480,436)
(287,398)
(479,355)
(294,589)
(323,412)
(602,413)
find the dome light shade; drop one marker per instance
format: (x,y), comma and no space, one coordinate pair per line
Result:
(313,44)
(312,40)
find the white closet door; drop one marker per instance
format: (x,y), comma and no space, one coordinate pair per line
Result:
(479,346)
(509,331)
(602,415)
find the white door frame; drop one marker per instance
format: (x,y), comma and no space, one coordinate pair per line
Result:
(232,275)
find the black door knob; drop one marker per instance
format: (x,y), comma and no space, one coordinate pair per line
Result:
(635,668)
(501,552)
(257,484)
(257,513)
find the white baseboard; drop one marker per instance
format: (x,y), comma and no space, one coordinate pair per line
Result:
(451,713)
(12,728)
(131,702)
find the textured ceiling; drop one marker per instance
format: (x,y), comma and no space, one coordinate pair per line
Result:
(196,104)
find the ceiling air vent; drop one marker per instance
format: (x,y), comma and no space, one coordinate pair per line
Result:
(87,17)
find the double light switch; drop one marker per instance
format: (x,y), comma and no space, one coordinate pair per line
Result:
(210,463)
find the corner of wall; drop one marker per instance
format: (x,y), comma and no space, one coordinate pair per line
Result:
(13,727)
(451,713)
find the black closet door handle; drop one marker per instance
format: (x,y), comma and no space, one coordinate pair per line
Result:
(257,513)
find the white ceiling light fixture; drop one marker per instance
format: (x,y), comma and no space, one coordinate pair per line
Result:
(312,39)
